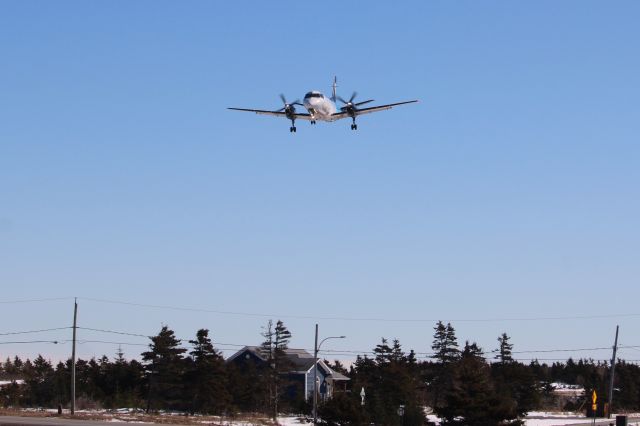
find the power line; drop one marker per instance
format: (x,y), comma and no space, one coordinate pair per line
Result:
(113,332)
(50,299)
(337,318)
(34,331)
(368,352)
(560,350)
(364,319)
(81,342)
(33,341)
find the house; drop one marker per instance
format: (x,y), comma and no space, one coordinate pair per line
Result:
(301,371)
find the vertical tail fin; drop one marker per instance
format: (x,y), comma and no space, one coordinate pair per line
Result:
(334,86)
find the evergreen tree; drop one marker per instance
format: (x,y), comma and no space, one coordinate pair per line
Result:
(390,380)
(337,366)
(445,343)
(472,351)
(504,349)
(164,365)
(383,352)
(626,386)
(471,399)
(62,378)
(124,381)
(206,377)
(342,409)
(247,384)
(446,352)
(39,381)
(273,349)
(514,380)
(17,363)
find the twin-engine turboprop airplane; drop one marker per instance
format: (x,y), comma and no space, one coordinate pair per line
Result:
(322,108)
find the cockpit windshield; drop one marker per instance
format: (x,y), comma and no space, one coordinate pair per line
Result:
(314,95)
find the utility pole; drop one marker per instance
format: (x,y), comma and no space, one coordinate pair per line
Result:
(613,370)
(315,379)
(73,358)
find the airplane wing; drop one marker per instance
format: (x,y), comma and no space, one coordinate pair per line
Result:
(297,115)
(362,111)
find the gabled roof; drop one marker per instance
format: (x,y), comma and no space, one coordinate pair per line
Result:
(254,350)
(301,359)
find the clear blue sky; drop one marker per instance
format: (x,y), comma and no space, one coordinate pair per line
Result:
(512,190)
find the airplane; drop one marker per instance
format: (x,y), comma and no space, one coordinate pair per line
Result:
(319,107)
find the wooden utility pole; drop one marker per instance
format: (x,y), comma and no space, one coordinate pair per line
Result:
(73,358)
(315,379)
(613,370)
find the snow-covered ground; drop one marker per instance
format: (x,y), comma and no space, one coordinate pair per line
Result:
(533,419)
(553,419)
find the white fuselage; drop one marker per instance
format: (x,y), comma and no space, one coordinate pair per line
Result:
(319,106)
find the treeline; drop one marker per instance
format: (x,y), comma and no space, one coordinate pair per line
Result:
(457,382)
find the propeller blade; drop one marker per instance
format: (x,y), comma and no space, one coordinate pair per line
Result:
(342,100)
(281,109)
(364,102)
(296,102)
(284,100)
(353,97)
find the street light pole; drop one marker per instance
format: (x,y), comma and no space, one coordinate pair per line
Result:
(316,348)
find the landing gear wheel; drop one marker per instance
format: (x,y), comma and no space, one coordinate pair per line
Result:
(292,129)
(354,127)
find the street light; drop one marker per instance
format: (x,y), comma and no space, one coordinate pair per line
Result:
(316,348)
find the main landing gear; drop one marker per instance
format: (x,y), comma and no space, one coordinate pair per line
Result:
(292,129)
(354,126)
(313,121)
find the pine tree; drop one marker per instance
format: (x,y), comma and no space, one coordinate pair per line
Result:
(383,352)
(472,351)
(39,381)
(390,380)
(445,343)
(164,368)
(274,351)
(446,352)
(206,377)
(514,381)
(17,364)
(123,381)
(471,400)
(504,350)
(337,366)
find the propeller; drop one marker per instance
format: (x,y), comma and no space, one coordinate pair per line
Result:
(350,105)
(289,107)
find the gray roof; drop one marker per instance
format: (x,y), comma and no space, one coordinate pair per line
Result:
(300,358)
